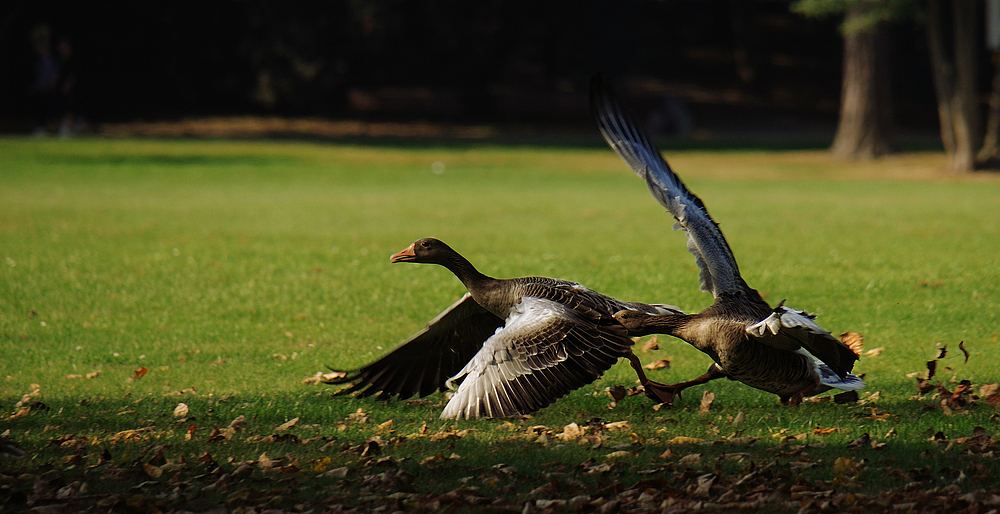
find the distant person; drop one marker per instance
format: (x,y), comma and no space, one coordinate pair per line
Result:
(66,89)
(46,80)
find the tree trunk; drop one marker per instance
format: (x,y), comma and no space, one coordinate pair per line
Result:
(989,154)
(866,124)
(955,80)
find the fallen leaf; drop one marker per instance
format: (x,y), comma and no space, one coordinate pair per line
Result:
(190,432)
(846,465)
(650,345)
(692,459)
(139,373)
(181,410)
(874,352)
(707,398)
(860,441)
(658,364)
(826,431)
(152,471)
(93,374)
(618,425)
(239,423)
(854,341)
(286,425)
(617,393)
(685,440)
(571,432)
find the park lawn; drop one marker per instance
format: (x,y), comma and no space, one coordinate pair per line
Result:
(140,274)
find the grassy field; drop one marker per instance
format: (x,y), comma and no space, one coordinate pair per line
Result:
(231,271)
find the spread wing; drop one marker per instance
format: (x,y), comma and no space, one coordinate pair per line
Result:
(422,363)
(719,272)
(546,350)
(791,329)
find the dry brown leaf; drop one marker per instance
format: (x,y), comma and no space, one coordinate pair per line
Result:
(961,346)
(658,364)
(152,471)
(692,459)
(707,398)
(181,410)
(571,432)
(685,440)
(827,431)
(942,350)
(286,425)
(239,423)
(618,425)
(617,393)
(73,376)
(651,345)
(846,465)
(93,374)
(854,341)
(874,352)
(139,373)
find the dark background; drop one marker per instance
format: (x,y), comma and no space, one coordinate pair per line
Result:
(739,65)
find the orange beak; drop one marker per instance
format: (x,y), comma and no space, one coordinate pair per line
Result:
(404,255)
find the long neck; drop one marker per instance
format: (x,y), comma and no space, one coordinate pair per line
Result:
(473,280)
(660,324)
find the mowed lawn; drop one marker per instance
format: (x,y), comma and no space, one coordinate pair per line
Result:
(231,271)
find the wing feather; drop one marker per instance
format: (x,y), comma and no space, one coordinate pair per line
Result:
(719,272)
(446,344)
(540,355)
(791,329)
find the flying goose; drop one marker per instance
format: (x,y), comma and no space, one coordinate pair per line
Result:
(516,344)
(779,350)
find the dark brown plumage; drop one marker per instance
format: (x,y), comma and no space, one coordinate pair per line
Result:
(747,339)
(518,344)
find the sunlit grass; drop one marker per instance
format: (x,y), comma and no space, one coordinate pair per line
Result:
(241,268)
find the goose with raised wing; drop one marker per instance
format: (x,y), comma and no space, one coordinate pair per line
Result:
(779,350)
(515,345)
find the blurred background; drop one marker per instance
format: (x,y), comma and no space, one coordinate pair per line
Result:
(866,78)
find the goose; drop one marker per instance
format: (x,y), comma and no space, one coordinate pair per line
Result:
(516,345)
(779,350)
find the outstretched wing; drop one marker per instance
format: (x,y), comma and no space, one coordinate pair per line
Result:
(719,272)
(545,350)
(791,329)
(422,363)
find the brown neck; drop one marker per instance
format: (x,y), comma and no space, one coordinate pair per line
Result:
(659,324)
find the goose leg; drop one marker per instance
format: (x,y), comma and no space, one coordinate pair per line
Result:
(663,393)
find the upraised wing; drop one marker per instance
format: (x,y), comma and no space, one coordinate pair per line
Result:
(422,363)
(545,351)
(791,329)
(719,272)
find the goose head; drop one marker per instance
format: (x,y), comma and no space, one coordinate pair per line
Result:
(632,320)
(426,250)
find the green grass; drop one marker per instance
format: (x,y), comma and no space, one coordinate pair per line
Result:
(241,268)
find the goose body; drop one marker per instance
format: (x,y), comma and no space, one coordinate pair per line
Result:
(779,350)
(515,345)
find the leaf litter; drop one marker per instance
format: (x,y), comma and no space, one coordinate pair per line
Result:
(393,468)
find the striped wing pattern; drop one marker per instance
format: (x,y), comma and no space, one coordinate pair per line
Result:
(421,364)
(719,272)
